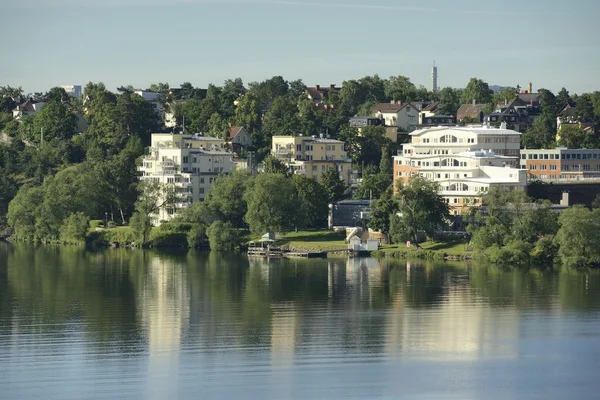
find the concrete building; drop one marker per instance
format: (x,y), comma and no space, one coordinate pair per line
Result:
(561,164)
(434,78)
(391,132)
(73,90)
(312,155)
(188,164)
(465,161)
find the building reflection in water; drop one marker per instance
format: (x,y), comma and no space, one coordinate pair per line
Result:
(457,327)
(165,302)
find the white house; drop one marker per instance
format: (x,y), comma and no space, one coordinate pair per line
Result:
(402,115)
(189,164)
(27,107)
(466,161)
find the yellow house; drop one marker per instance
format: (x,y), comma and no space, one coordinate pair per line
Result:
(312,155)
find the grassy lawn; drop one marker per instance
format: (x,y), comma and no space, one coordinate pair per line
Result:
(313,240)
(452,248)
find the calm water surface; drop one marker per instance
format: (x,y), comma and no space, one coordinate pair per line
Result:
(147,325)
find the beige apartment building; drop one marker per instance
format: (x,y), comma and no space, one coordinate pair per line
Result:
(188,164)
(312,156)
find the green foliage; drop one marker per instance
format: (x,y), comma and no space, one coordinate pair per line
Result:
(140,224)
(541,135)
(544,251)
(515,252)
(383,211)
(272,204)
(23,211)
(421,206)
(226,198)
(75,228)
(477,90)
(272,165)
(196,237)
(312,202)
(222,236)
(578,235)
(334,185)
(54,121)
(449,101)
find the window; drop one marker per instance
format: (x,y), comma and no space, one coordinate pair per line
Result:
(545,156)
(552,167)
(532,167)
(186,159)
(201,191)
(543,167)
(170,180)
(201,180)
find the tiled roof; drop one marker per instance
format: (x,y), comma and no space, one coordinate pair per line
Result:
(469,110)
(234,130)
(431,106)
(388,107)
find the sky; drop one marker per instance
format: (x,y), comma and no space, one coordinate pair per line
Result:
(550,43)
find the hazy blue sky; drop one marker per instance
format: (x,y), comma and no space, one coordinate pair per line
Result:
(119,42)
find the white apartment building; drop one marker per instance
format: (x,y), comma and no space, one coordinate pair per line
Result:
(73,90)
(188,164)
(465,161)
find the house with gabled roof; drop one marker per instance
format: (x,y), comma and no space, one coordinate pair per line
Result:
(405,116)
(320,95)
(238,139)
(27,107)
(472,111)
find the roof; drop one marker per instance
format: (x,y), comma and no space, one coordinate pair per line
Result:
(389,107)
(211,152)
(27,105)
(483,129)
(198,136)
(431,106)
(324,140)
(234,131)
(529,97)
(317,92)
(469,110)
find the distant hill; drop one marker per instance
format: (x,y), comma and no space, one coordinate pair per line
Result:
(496,88)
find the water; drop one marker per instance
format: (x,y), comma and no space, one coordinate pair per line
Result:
(146,325)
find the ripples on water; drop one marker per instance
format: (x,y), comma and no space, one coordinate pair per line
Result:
(135,324)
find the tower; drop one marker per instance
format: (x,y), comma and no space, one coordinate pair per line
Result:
(434,76)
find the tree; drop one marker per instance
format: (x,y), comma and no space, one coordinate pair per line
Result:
(584,108)
(563,98)
(312,202)
(577,236)
(273,165)
(54,121)
(541,135)
(222,236)
(477,90)
(272,204)
(136,116)
(248,113)
(573,137)
(505,95)
(371,141)
(548,102)
(449,101)
(75,228)
(23,210)
(421,206)
(141,224)
(334,185)
(226,198)
(382,211)
(400,88)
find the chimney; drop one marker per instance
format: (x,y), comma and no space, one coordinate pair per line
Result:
(530,88)
(564,201)
(317,87)
(332,86)
(474,101)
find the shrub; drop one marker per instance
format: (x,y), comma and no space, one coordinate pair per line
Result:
(75,228)
(222,236)
(96,223)
(160,238)
(545,250)
(196,237)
